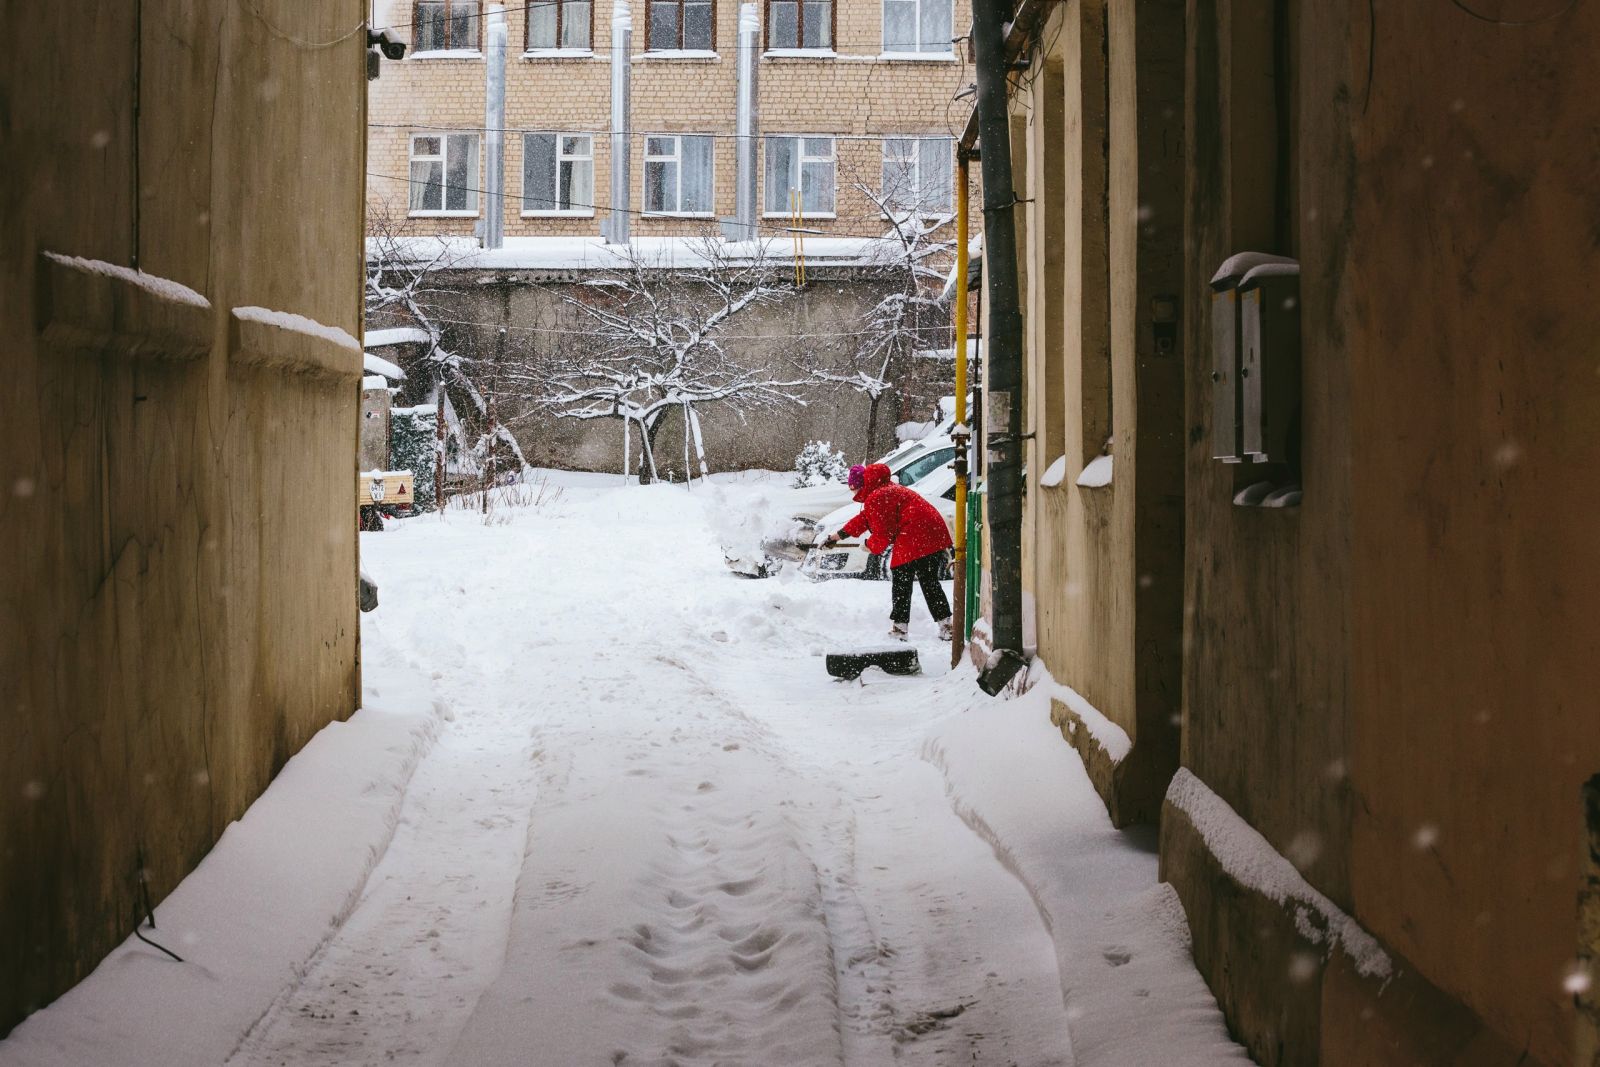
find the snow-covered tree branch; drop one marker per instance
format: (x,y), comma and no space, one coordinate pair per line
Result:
(911,262)
(402,289)
(651,344)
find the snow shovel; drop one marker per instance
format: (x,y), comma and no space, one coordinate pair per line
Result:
(849,665)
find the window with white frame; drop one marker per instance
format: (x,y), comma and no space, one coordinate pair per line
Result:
(917,26)
(798,24)
(444,26)
(557,174)
(917,174)
(803,168)
(680,25)
(444,174)
(677,174)
(559,24)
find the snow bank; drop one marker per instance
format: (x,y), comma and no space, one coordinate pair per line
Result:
(1122,943)
(1252,862)
(1111,737)
(255,911)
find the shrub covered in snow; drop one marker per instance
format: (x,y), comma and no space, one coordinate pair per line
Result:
(819,464)
(412,438)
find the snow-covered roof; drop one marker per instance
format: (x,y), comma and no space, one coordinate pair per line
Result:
(398,335)
(592,253)
(974,268)
(948,355)
(378,365)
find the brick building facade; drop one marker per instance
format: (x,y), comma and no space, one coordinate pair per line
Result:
(875,82)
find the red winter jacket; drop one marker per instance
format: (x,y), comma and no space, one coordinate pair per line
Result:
(894,513)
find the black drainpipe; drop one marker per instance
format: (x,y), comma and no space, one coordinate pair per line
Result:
(1003,419)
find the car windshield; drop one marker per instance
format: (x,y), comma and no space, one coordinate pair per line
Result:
(923,466)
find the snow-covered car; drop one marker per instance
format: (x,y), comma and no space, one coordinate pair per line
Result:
(850,558)
(908,465)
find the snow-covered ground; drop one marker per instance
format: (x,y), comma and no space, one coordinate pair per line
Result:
(604,806)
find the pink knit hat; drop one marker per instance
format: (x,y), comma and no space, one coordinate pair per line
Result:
(856,477)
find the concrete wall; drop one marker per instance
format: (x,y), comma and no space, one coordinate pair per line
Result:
(1098,142)
(178,613)
(809,327)
(1393,682)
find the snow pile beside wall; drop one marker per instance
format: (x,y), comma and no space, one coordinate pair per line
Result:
(258,907)
(1252,861)
(1122,942)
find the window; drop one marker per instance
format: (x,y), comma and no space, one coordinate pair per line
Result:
(444,26)
(923,466)
(917,26)
(917,174)
(800,24)
(444,174)
(677,174)
(680,25)
(803,165)
(557,174)
(559,24)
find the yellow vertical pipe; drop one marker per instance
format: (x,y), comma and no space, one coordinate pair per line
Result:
(963,437)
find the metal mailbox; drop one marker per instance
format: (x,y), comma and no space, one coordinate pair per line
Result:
(1226,405)
(1236,425)
(1269,371)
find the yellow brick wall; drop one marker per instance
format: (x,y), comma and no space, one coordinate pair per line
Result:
(853,94)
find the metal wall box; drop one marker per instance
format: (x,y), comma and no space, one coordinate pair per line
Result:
(1228,374)
(1269,372)
(1226,406)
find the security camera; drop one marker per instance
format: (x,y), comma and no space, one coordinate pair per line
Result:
(393,47)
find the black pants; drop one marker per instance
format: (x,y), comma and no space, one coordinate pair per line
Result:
(925,572)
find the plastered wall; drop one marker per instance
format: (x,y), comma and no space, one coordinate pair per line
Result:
(177,610)
(1393,682)
(1098,141)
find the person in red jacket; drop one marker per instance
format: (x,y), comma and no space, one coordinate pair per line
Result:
(901,516)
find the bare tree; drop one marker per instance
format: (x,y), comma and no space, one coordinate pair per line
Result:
(911,261)
(404,289)
(652,344)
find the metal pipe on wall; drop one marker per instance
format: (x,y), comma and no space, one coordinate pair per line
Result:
(1003,420)
(494,131)
(960,434)
(616,227)
(747,123)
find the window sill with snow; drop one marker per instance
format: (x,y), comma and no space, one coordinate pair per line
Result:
(799,53)
(690,54)
(560,53)
(449,53)
(918,57)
